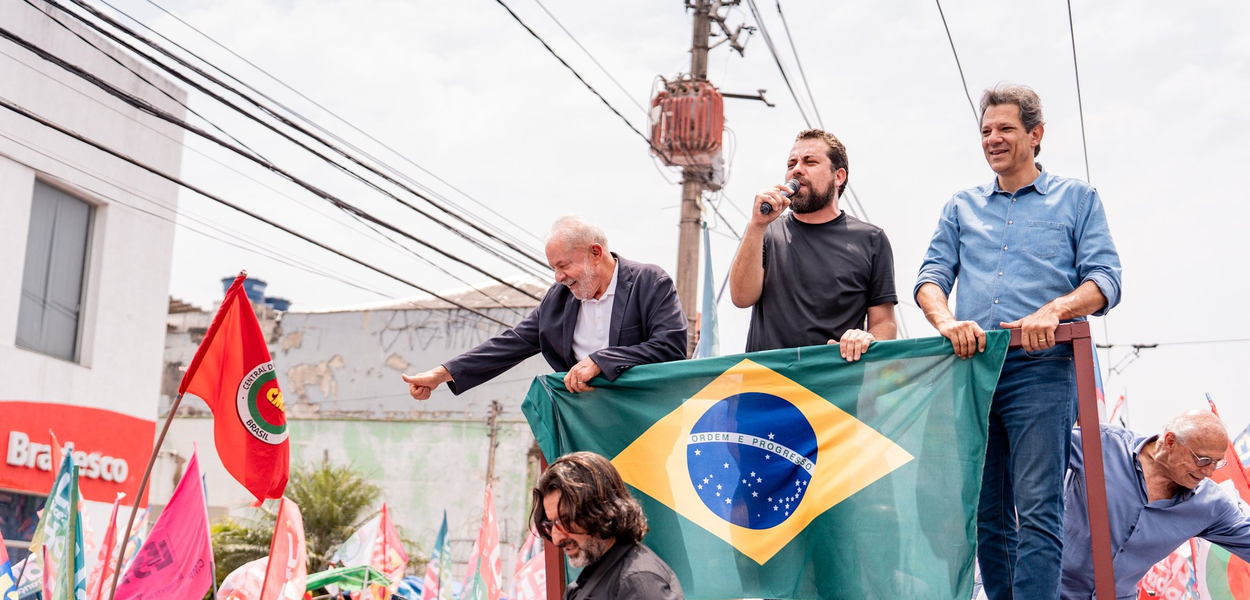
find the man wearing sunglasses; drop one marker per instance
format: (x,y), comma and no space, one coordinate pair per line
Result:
(1158,497)
(581,505)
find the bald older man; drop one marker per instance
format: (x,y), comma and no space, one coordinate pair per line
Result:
(603,315)
(1158,497)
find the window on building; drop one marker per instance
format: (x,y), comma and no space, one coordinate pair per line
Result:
(53,279)
(18,518)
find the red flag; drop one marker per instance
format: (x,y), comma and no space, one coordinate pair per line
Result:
(487,548)
(389,555)
(1168,578)
(287,571)
(176,561)
(104,565)
(233,373)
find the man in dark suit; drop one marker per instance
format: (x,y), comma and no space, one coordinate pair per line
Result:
(603,315)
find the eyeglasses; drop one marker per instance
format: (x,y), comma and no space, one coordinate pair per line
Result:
(1203,461)
(545,527)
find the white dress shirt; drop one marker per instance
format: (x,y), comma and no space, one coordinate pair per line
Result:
(594,321)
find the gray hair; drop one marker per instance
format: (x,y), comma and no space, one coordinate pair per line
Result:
(1193,424)
(577,232)
(1023,97)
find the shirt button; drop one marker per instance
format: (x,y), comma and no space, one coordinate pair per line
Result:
(1013,200)
(996,301)
(1000,273)
(1004,247)
(1009,221)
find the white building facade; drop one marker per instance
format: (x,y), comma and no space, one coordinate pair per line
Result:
(86,245)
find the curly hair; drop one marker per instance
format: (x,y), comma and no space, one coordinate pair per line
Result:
(593,499)
(837,153)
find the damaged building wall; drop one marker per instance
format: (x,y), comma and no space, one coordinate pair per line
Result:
(339,371)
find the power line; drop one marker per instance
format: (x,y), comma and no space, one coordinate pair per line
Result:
(164,115)
(591,56)
(315,207)
(323,129)
(272,113)
(768,40)
(9,105)
(802,75)
(1080,107)
(140,76)
(579,78)
(958,65)
(851,198)
(255,248)
(394,242)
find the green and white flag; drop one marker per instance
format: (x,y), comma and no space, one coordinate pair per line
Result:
(794,473)
(54,518)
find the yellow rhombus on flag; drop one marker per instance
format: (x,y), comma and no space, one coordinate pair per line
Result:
(851,456)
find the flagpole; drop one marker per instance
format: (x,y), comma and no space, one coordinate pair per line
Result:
(143,485)
(26,563)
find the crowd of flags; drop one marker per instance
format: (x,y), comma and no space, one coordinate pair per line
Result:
(175,558)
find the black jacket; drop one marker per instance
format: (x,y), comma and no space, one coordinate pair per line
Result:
(628,571)
(648,326)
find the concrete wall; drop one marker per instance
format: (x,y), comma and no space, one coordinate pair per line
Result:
(339,372)
(129,252)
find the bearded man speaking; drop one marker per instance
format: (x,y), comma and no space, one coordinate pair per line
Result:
(603,315)
(815,275)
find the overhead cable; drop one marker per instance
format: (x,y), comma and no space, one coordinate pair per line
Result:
(1079,105)
(580,78)
(287,122)
(147,107)
(9,105)
(975,116)
(336,137)
(591,57)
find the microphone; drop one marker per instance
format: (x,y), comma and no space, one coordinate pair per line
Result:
(793,184)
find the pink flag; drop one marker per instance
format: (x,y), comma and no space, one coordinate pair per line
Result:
(529,582)
(177,558)
(487,548)
(287,571)
(244,582)
(525,569)
(389,555)
(103,570)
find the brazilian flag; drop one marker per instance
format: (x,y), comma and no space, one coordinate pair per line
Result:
(793,473)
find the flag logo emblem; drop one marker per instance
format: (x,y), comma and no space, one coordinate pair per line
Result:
(260,406)
(755,457)
(750,456)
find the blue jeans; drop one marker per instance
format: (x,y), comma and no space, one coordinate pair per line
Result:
(1020,517)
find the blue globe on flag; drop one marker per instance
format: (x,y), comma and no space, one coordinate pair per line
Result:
(751,457)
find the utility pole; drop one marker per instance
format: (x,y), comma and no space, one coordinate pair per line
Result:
(495,407)
(692,181)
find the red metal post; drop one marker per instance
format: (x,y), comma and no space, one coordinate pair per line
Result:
(1077,334)
(552,559)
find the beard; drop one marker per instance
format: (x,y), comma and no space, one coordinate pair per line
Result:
(812,201)
(587,285)
(590,552)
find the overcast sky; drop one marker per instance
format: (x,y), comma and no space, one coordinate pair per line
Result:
(461,89)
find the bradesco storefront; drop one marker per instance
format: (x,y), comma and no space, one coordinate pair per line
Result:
(110,449)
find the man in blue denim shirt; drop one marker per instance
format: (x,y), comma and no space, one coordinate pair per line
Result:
(1030,250)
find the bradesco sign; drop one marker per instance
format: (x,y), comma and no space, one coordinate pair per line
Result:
(110,449)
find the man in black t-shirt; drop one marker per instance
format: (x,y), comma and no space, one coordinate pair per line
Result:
(814,275)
